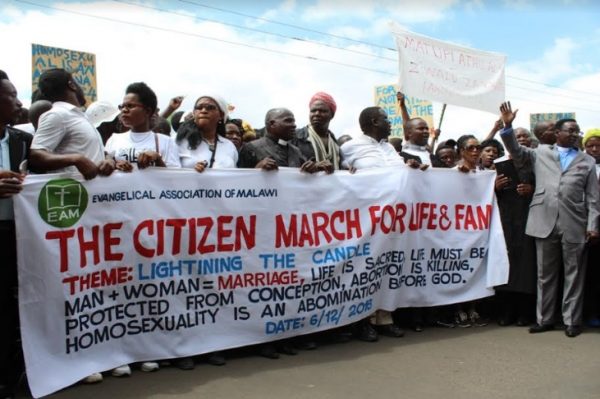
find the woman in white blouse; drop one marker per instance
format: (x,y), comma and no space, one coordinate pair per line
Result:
(140,145)
(201,141)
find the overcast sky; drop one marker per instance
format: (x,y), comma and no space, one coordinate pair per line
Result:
(264,54)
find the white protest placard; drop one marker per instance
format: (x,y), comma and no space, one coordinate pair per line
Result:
(159,263)
(445,72)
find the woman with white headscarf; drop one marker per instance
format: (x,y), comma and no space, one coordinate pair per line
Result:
(202,143)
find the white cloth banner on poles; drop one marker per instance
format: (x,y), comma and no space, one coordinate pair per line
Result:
(448,73)
(159,263)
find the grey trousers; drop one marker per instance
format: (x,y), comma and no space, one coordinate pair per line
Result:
(552,253)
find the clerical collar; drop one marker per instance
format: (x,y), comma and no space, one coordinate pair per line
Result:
(412,146)
(281,142)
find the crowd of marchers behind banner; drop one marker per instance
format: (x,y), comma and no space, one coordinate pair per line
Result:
(546,186)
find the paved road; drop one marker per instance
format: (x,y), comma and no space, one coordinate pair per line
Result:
(486,362)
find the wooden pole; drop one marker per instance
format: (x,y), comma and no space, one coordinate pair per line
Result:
(442,117)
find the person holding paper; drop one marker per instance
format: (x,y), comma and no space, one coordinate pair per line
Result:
(514,189)
(563,216)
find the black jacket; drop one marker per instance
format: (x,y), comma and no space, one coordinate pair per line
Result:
(18,143)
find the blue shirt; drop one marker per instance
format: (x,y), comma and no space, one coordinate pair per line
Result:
(565,155)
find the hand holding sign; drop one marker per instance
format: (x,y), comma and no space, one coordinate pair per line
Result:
(10,183)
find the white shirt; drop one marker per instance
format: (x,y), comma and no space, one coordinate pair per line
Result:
(25,127)
(65,129)
(418,151)
(226,155)
(365,152)
(127,147)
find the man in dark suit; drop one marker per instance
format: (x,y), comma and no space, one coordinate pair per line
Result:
(563,216)
(14,148)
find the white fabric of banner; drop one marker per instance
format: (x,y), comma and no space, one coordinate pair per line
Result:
(440,71)
(163,263)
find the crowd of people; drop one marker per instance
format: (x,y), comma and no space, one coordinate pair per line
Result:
(546,187)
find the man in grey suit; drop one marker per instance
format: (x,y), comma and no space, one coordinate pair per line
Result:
(563,216)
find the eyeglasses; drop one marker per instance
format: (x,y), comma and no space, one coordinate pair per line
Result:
(129,106)
(571,131)
(473,148)
(208,107)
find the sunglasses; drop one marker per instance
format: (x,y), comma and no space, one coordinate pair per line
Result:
(473,148)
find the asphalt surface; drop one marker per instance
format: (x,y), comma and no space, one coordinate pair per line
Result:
(477,362)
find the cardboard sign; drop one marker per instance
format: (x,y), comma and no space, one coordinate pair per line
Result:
(81,65)
(385,97)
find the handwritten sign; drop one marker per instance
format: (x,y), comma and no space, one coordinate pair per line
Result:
(385,97)
(161,263)
(534,119)
(449,73)
(81,65)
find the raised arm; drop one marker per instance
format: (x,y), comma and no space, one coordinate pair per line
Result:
(519,153)
(403,109)
(174,104)
(497,127)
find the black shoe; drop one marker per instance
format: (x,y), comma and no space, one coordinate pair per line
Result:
(268,351)
(504,321)
(6,392)
(540,328)
(184,363)
(216,359)
(572,331)
(340,337)
(288,349)
(366,332)
(418,327)
(391,330)
(307,345)
(523,321)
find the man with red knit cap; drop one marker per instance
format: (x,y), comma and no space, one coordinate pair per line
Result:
(315,140)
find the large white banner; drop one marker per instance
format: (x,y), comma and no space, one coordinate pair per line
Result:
(448,73)
(159,264)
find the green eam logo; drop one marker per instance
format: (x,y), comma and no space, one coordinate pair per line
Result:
(62,202)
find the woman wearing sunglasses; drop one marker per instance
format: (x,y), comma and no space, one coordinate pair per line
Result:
(469,154)
(202,143)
